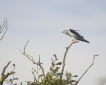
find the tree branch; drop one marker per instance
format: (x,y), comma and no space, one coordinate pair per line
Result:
(86,70)
(5,30)
(67,48)
(4,76)
(32,59)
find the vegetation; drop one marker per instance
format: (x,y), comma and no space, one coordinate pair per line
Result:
(53,77)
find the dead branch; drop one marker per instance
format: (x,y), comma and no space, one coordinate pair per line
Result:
(4,25)
(28,56)
(35,80)
(86,70)
(32,59)
(4,76)
(67,48)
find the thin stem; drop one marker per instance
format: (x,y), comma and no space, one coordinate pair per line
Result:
(86,70)
(5,30)
(67,48)
(3,75)
(32,59)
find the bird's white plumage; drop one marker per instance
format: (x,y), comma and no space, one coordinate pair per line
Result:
(75,35)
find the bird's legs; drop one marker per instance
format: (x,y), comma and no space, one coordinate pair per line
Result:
(73,41)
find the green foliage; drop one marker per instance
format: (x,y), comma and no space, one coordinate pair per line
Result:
(53,76)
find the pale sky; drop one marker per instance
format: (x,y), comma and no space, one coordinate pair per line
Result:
(42,22)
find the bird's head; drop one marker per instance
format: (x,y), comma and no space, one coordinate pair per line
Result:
(65,32)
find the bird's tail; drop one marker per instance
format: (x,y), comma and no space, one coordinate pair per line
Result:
(85,40)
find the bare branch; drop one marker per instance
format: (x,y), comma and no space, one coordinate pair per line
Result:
(25,46)
(86,70)
(5,25)
(32,59)
(67,48)
(24,52)
(4,76)
(34,76)
(2,27)
(42,70)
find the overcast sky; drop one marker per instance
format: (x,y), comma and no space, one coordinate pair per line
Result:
(42,22)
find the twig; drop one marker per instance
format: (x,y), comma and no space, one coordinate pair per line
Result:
(42,70)
(32,59)
(86,70)
(4,76)
(24,52)
(34,76)
(13,75)
(37,72)
(5,30)
(67,48)
(39,64)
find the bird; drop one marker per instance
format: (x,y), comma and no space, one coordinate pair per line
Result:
(76,37)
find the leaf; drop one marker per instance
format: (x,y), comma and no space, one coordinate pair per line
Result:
(68,76)
(21,83)
(51,68)
(59,63)
(40,75)
(56,69)
(58,75)
(53,64)
(75,76)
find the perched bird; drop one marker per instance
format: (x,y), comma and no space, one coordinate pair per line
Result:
(75,35)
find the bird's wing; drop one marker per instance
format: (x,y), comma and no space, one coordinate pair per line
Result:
(74,32)
(84,40)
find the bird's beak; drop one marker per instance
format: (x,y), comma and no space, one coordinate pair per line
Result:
(63,32)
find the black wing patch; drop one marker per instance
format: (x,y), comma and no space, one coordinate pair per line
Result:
(73,31)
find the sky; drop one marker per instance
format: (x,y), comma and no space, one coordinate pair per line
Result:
(42,22)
